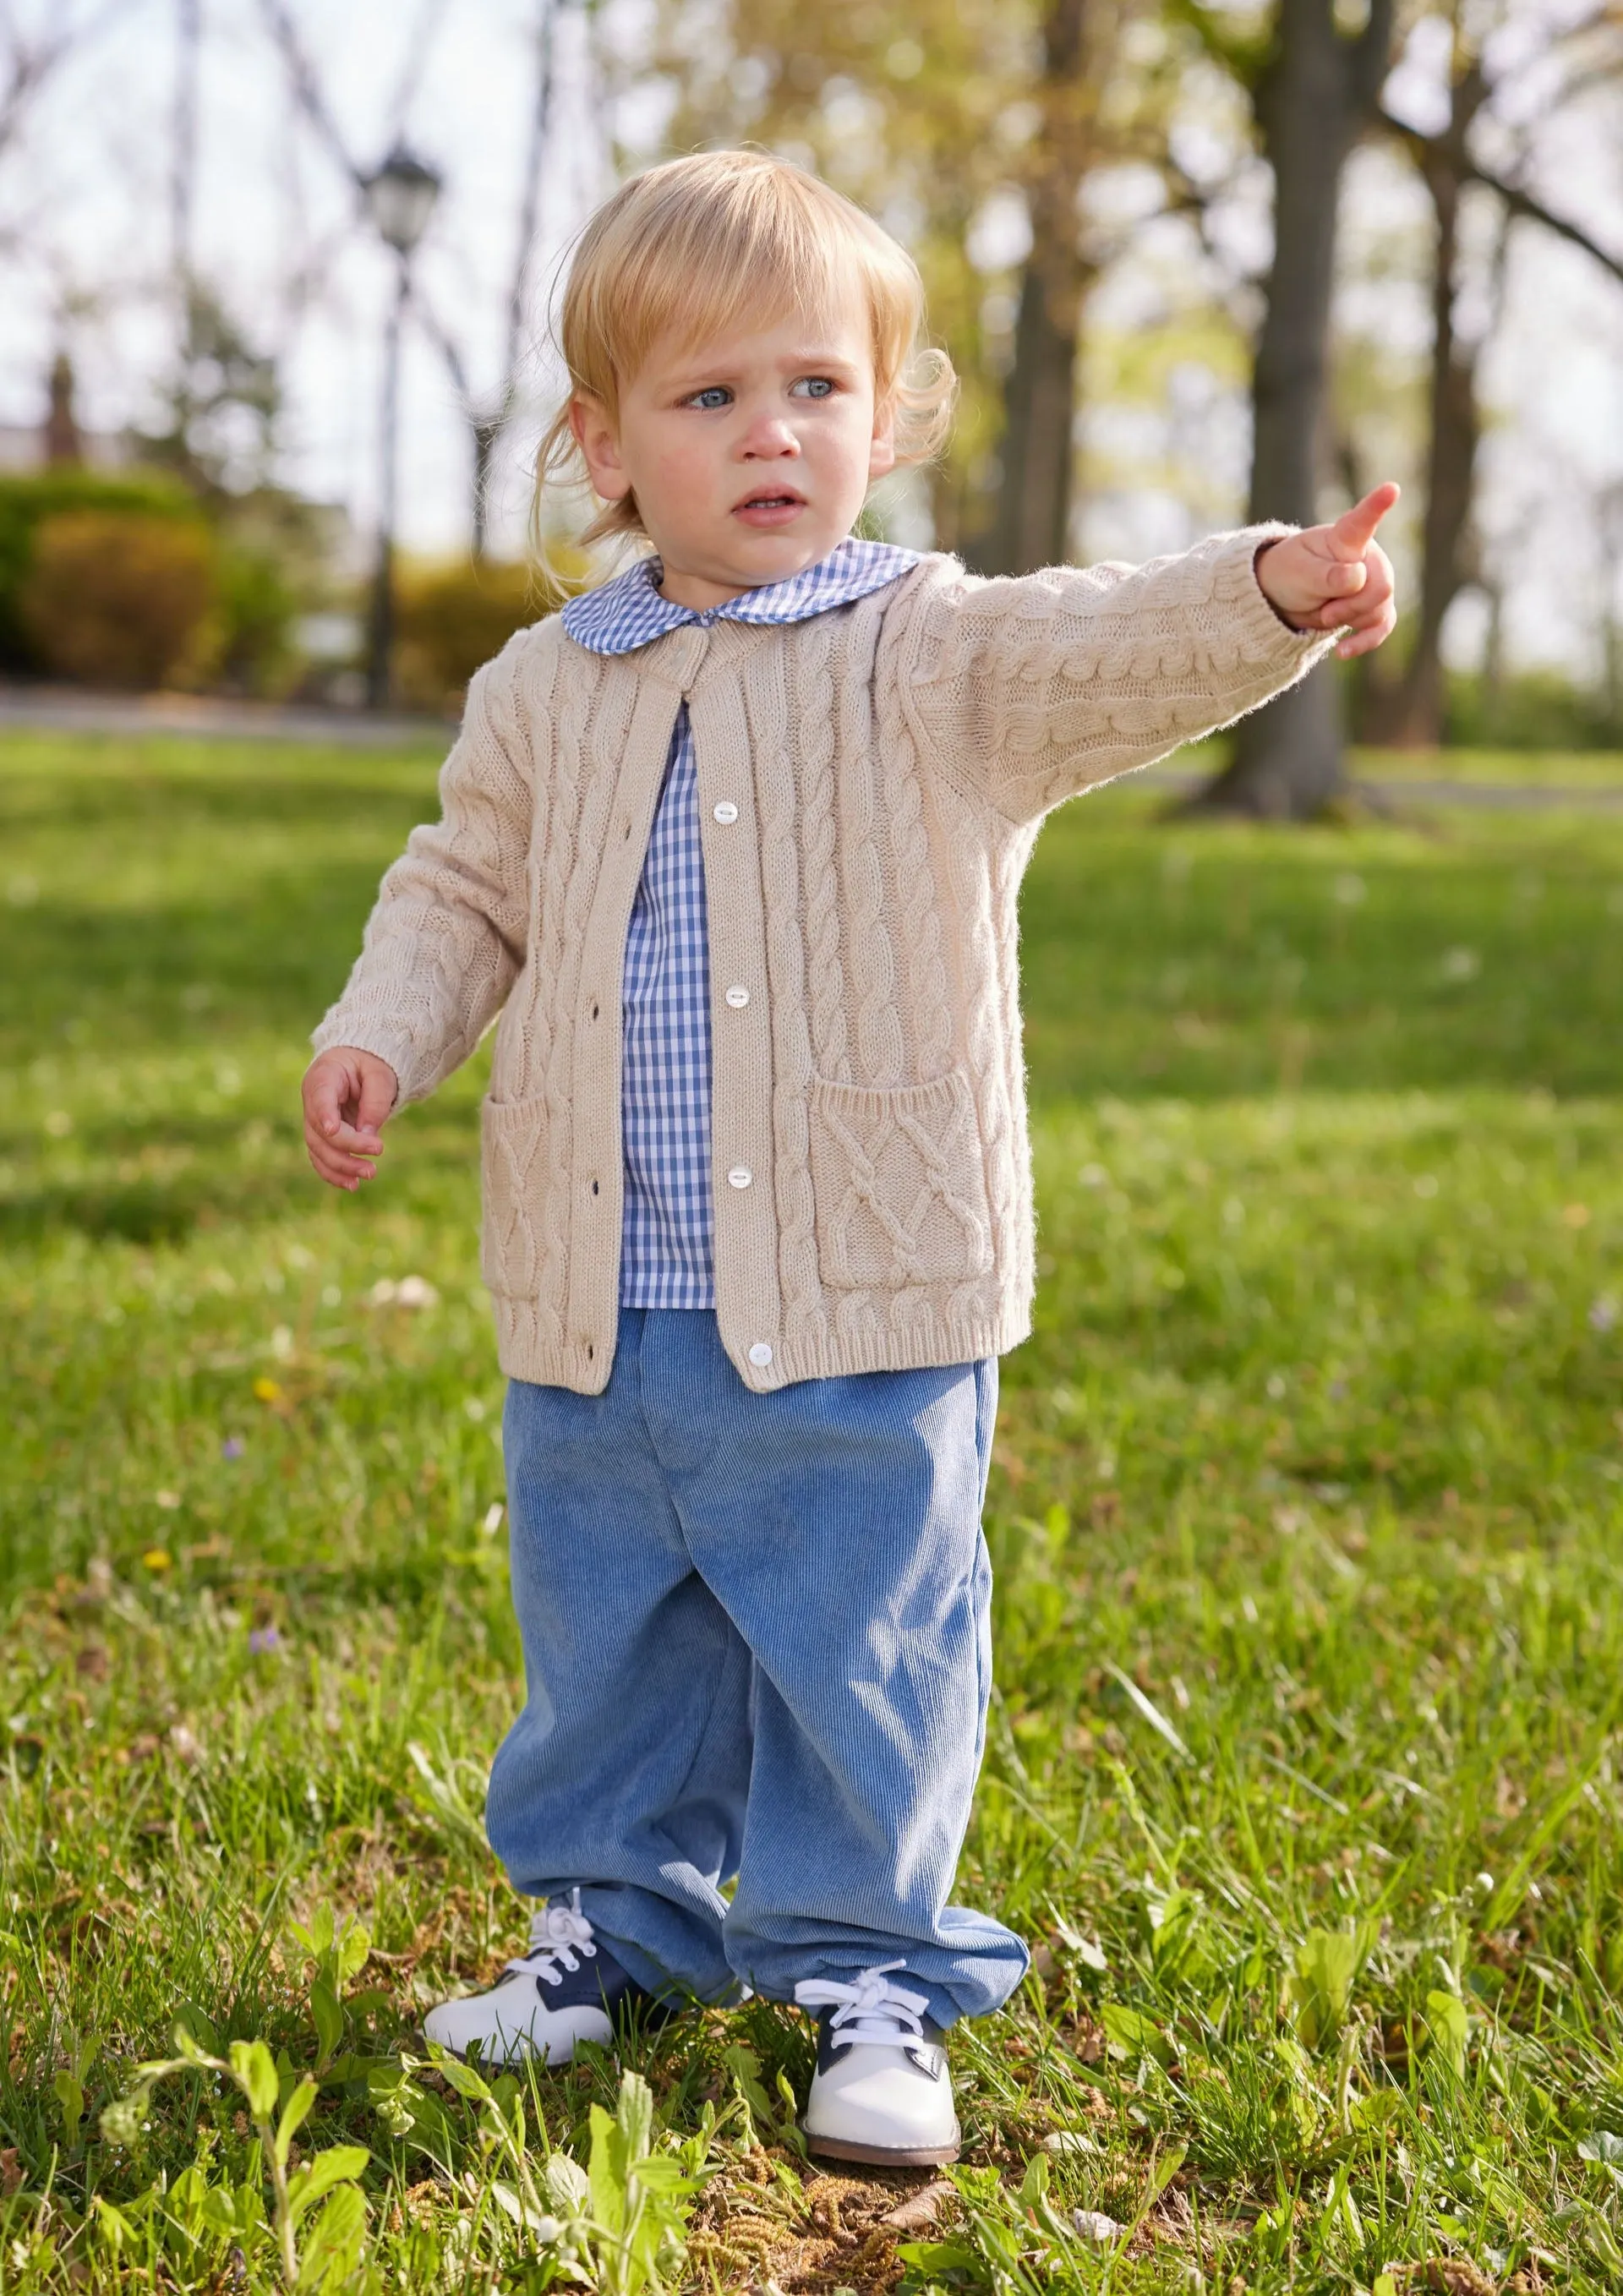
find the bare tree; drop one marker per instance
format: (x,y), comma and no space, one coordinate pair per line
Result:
(30,59)
(1314,89)
(1031,524)
(183,163)
(1411,709)
(487,418)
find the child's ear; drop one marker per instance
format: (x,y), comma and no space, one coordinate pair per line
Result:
(882,454)
(598,443)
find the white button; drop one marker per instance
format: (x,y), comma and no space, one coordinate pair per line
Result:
(726,812)
(737,999)
(760,1354)
(740,1176)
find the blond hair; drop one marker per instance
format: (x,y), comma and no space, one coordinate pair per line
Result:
(719,241)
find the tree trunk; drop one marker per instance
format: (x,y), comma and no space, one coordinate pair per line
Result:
(1410,714)
(1031,523)
(1316,91)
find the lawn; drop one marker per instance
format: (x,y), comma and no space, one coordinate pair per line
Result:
(1304,1768)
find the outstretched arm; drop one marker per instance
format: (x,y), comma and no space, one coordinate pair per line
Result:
(1026,690)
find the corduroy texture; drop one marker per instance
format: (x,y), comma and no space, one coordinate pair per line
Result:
(889,762)
(757,1643)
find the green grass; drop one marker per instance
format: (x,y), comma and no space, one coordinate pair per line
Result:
(1561,769)
(1303,1770)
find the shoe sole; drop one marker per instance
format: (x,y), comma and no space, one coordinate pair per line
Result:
(882,2156)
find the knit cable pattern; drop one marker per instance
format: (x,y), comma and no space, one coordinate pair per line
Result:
(897,755)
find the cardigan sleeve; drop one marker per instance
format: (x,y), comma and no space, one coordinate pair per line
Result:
(445,938)
(1027,689)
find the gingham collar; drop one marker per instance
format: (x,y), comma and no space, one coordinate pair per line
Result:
(629,612)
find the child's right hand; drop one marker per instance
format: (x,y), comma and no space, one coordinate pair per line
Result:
(347,1097)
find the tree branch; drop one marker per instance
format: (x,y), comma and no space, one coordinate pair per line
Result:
(1520,202)
(1523,204)
(306,88)
(28,67)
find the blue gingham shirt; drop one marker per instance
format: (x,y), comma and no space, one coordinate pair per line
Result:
(666,1244)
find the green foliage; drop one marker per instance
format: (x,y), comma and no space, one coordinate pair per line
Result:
(114,599)
(1325,1969)
(314,2261)
(339,1951)
(1530,709)
(255,606)
(28,499)
(620,2223)
(452,618)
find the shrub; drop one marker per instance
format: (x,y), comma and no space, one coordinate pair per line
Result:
(1530,709)
(28,498)
(257,608)
(450,618)
(112,599)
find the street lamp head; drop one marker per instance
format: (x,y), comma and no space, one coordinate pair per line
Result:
(400,199)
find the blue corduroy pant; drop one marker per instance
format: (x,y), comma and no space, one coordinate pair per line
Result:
(757,1646)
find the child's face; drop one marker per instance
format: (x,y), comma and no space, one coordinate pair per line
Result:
(750,456)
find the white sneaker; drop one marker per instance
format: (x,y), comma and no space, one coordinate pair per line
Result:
(549,2000)
(881,2092)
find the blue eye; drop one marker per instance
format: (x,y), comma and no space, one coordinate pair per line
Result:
(815,386)
(716,396)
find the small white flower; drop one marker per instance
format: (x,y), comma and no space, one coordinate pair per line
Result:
(415,1292)
(1461,964)
(1092,2224)
(1603,1313)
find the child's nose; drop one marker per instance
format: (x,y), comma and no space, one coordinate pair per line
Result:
(770,437)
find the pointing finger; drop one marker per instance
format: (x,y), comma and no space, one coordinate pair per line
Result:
(1354,531)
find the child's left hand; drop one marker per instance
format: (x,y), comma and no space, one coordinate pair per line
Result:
(1337,577)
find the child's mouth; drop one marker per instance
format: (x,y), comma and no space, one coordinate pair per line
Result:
(770,508)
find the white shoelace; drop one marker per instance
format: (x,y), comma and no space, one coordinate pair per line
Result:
(558,1935)
(868,2008)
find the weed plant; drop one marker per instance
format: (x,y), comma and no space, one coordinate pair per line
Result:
(1303,1770)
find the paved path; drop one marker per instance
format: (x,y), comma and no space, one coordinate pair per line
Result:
(62,709)
(209,717)
(1391,792)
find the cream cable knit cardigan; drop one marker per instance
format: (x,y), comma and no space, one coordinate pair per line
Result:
(871,784)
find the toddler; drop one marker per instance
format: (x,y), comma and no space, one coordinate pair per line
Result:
(733,845)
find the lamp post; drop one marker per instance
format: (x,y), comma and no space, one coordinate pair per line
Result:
(399,200)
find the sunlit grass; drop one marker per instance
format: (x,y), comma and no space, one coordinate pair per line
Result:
(1306,1518)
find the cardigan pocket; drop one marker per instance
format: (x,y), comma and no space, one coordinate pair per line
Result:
(900,1187)
(513,1157)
